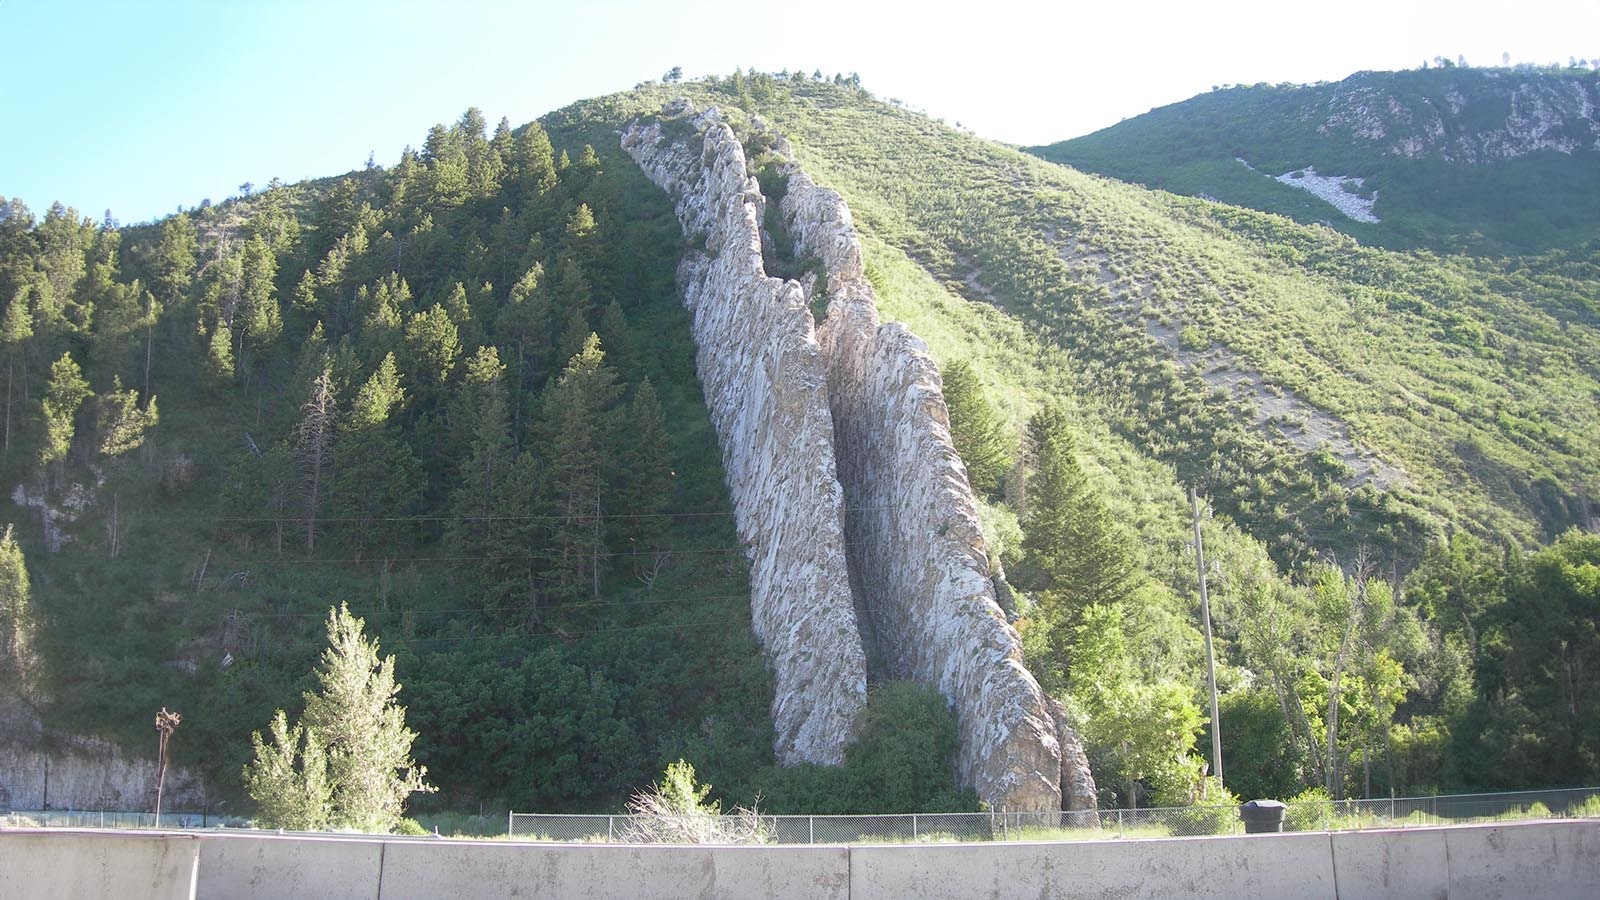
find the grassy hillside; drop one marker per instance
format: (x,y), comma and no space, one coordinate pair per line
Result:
(1341,408)
(1335,402)
(1449,154)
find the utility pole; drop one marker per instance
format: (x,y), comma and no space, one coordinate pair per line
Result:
(1205,618)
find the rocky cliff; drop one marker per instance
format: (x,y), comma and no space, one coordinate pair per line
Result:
(39,766)
(876,475)
(1479,116)
(766,389)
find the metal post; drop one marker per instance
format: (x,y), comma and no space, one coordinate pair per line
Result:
(811,829)
(913,826)
(1211,659)
(611,829)
(511,818)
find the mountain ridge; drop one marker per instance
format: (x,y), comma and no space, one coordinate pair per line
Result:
(1494,159)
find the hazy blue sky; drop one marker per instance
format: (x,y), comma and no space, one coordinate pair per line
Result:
(140,107)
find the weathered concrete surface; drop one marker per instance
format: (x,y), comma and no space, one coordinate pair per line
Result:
(1545,860)
(1284,867)
(1526,861)
(426,871)
(1376,865)
(765,387)
(870,508)
(264,866)
(84,865)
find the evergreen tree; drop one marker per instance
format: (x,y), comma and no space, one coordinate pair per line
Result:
(978,433)
(314,446)
(644,488)
(15,329)
(534,162)
(172,265)
(121,424)
(522,331)
(1076,555)
(261,493)
(63,396)
(580,435)
(258,320)
(348,764)
(1074,548)
(16,618)
(288,779)
(432,346)
(219,353)
(377,479)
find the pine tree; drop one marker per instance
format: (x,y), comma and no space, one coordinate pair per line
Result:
(1076,554)
(377,478)
(645,480)
(258,321)
(16,620)
(535,162)
(15,329)
(314,446)
(347,764)
(172,268)
(63,396)
(121,424)
(978,433)
(288,778)
(522,331)
(580,437)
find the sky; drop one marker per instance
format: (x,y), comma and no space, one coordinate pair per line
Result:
(144,107)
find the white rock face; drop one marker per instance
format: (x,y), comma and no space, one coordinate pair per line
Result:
(76,772)
(916,568)
(1518,115)
(1340,191)
(917,549)
(766,389)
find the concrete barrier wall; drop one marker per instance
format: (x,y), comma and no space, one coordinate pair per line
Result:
(1545,860)
(1523,861)
(1378,865)
(74,865)
(255,866)
(1288,866)
(426,871)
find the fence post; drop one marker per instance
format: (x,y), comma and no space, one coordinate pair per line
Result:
(511,818)
(913,826)
(611,829)
(1119,821)
(811,829)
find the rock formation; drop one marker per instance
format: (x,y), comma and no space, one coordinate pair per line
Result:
(766,389)
(40,766)
(916,577)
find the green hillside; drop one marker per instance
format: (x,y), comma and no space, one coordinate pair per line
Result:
(1483,160)
(381,388)
(1343,408)
(536,527)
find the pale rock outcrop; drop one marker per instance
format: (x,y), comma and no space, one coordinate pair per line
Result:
(766,389)
(39,766)
(917,550)
(877,475)
(1078,790)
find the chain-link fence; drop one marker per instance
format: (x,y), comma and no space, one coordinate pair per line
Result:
(101,818)
(1089,825)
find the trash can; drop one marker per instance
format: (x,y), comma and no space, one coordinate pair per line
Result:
(1262,816)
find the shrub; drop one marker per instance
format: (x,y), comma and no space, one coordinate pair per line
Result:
(1309,810)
